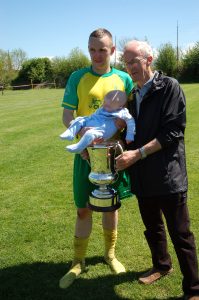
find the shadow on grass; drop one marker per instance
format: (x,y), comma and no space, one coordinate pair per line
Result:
(40,281)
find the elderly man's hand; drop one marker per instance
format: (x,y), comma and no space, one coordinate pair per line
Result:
(126,159)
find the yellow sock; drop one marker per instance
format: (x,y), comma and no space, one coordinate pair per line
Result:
(110,237)
(78,264)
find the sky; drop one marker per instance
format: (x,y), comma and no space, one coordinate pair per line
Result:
(46,28)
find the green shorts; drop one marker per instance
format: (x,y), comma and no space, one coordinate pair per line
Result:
(82,187)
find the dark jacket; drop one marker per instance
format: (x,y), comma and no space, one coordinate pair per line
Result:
(162,116)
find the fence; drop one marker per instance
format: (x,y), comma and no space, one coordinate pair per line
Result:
(33,86)
(27,86)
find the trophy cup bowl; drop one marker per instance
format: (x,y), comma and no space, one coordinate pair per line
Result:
(102,162)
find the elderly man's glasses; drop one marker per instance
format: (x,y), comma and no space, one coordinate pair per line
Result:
(135,60)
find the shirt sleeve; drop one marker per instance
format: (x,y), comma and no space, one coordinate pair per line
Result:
(70,99)
(129,85)
(130,124)
(173,115)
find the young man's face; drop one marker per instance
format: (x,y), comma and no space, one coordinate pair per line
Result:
(100,50)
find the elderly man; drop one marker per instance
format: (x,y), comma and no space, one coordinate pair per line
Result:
(157,166)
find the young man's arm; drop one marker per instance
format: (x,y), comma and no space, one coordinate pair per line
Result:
(68,116)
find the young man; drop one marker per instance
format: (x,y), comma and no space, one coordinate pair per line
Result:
(157,166)
(84,93)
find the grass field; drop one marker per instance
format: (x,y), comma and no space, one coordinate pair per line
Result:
(37,212)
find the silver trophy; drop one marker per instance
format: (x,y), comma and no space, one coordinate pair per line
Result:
(102,162)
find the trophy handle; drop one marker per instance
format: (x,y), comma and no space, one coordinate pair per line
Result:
(120,147)
(117,146)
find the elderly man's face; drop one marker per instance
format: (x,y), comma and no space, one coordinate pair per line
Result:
(135,65)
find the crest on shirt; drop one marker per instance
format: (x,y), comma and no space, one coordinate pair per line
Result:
(95,103)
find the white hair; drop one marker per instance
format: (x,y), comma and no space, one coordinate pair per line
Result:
(144,48)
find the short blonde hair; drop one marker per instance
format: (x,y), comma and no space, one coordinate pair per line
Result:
(100,33)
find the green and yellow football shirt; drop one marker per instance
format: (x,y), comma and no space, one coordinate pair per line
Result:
(85,90)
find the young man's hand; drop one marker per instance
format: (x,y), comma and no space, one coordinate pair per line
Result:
(84,154)
(83,131)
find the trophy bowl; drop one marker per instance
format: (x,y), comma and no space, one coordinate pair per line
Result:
(102,162)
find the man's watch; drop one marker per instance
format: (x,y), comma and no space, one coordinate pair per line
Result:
(142,153)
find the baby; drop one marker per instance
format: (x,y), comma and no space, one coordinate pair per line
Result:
(102,122)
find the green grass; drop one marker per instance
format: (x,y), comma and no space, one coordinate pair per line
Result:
(37,213)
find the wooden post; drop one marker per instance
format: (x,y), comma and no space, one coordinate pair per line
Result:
(1,88)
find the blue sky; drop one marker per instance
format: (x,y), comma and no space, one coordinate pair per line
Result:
(53,28)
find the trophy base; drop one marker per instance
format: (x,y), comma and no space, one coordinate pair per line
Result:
(109,202)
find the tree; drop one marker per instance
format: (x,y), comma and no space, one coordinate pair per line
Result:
(190,65)
(63,67)
(10,64)
(36,70)
(60,67)
(120,49)
(77,59)
(167,60)
(18,57)
(3,67)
